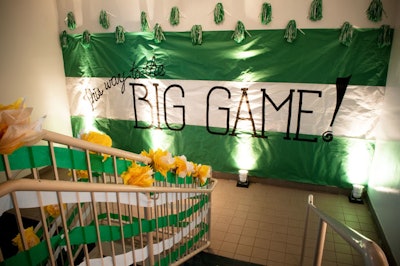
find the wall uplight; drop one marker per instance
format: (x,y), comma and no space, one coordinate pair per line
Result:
(356,194)
(243,180)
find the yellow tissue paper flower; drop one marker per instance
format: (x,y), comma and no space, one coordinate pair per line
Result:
(31,238)
(54,210)
(183,167)
(138,175)
(98,138)
(15,127)
(162,161)
(202,172)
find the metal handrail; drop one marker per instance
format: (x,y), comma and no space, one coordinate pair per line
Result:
(371,252)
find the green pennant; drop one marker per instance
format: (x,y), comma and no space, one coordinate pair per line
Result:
(64,39)
(266,13)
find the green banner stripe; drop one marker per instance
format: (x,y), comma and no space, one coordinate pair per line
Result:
(316,56)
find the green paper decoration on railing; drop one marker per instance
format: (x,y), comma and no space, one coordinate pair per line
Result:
(266,13)
(197,35)
(291,31)
(143,21)
(104,19)
(174,16)
(240,32)
(120,34)
(158,34)
(219,13)
(71,21)
(384,36)
(375,10)
(64,39)
(316,10)
(346,34)
(86,37)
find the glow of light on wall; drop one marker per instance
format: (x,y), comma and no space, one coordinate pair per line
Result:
(160,140)
(244,155)
(358,162)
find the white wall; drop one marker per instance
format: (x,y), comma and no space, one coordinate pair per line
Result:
(31,64)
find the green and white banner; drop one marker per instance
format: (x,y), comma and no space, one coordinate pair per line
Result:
(303,111)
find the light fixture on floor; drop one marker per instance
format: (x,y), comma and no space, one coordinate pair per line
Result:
(243,180)
(356,194)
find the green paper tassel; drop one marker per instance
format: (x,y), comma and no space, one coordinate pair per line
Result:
(291,31)
(266,13)
(374,11)
(197,34)
(143,21)
(64,39)
(86,37)
(174,16)
(219,13)
(119,34)
(384,36)
(158,33)
(104,19)
(316,10)
(71,21)
(346,34)
(240,32)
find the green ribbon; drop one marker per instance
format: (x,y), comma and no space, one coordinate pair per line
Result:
(119,34)
(197,35)
(86,37)
(143,21)
(174,16)
(291,31)
(71,21)
(315,13)
(104,19)
(266,13)
(375,10)
(240,32)
(346,34)
(385,36)
(158,34)
(219,13)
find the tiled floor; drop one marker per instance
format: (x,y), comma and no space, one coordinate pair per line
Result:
(264,224)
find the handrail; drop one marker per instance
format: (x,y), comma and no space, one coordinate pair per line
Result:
(75,142)
(372,254)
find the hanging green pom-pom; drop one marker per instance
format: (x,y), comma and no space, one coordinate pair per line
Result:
(104,19)
(197,34)
(86,37)
(240,32)
(316,10)
(266,13)
(143,21)
(119,34)
(158,33)
(71,21)
(64,39)
(219,13)
(174,16)
(375,10)
(384,36)
(346,34)
(291,31)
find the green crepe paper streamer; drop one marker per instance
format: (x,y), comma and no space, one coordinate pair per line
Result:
(266,13)
(120,34)
(104,20)
(346,34)
(174,16)
(197,34)
(316,10)
(384,36)
(291,31)
(158,33)
(64,39)
(86,37)
(219,13)
(71,21)
(143,21)
(374,11)
(240,32)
